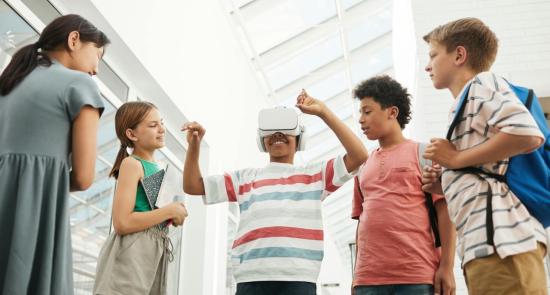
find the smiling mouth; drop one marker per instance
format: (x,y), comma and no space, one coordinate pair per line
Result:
(278,142)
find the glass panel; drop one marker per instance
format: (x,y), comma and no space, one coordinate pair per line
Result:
(113,81)
(374,26)
(174,145)
(365,67)
(14,33)
(44,10)
(323,90)
(278,21)
(305,63)
(347,4)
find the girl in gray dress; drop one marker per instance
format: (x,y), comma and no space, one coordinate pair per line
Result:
(134,258)
(49,113)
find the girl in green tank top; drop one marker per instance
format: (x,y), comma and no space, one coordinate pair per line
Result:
(135,257)
(149,168)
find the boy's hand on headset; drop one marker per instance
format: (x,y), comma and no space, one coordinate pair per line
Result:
(310,105)
(195,132)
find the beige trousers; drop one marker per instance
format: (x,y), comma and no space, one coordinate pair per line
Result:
(519,274)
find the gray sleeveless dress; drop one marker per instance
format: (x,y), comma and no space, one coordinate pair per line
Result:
(35,143)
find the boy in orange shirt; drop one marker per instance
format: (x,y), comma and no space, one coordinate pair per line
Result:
(396,253)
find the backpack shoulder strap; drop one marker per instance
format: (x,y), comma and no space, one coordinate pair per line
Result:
(459,111)
(432,214)
(529,100)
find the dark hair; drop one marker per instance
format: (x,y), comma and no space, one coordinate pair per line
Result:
(26,59)
(480,42)
(128,116)
(388,93)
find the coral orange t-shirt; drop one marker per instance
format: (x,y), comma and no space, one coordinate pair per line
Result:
(395,243)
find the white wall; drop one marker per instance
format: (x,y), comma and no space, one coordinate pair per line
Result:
(405,63)
(523,29)
(191,50)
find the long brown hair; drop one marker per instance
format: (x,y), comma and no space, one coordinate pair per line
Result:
(128,116)
(54,35)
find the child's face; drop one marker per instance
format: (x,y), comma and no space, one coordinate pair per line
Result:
(280,145)
(149,134)
(375,121)
(441,66)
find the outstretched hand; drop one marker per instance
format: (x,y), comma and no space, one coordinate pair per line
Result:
(310,105)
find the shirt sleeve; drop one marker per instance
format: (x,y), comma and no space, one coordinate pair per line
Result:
(495,111)
(82,91)
(357,202)
(335,175)
(221,188)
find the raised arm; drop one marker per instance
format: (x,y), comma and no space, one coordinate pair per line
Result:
(192,178)
(356,154)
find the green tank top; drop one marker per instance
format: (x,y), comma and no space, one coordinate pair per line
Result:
(142,205)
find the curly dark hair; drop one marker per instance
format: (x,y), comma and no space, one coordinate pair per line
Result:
(388,93)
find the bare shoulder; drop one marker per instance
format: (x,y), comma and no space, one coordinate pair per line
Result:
(131,167)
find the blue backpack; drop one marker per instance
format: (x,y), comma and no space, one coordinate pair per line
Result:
(528,175)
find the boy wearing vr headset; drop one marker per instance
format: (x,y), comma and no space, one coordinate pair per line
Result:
(278,248)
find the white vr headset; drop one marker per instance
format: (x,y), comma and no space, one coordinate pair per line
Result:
(280,119)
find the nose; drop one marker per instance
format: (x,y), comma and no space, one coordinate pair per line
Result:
(277,135)
(428,68)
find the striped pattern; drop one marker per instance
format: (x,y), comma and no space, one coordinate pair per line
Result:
(280,235)
(492,107)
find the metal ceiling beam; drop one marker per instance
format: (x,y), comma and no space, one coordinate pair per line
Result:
(107,146)
(90,201)
(295,45)
(240,22)
(336,65)
(80,200)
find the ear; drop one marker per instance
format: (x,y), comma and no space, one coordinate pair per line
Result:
(461,55)
(131,135)
(73,41)
(393,112)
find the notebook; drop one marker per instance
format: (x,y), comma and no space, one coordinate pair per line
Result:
(153,185)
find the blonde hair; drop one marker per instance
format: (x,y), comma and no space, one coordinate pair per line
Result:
(480,42)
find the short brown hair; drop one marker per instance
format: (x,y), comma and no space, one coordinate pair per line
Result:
(480,42)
